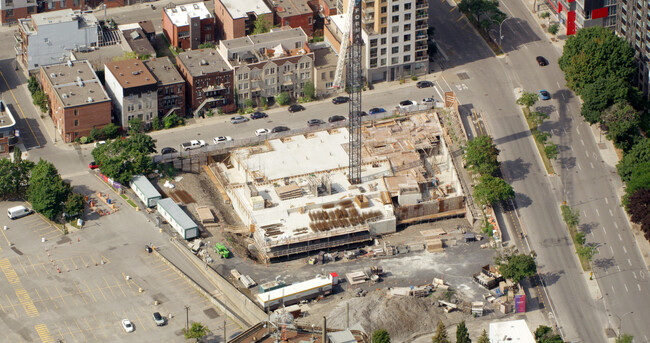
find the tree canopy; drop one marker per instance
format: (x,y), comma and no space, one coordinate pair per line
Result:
(624,338)
(462,335)
(570,216)
(638,206)
(545,334)
(622,122)
(197,331)
(262,25)
(309,90)
(121,159)
(14,176)
(596,53)
(441,335)
(604,93)
(634,158)
(47,192)
(517,267)
(528,99)
(492,189)
(380,336)
(483,338)
(640,178)
(485,13)
(283,98)
(481,155)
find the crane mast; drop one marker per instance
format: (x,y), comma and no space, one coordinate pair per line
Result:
(354,84)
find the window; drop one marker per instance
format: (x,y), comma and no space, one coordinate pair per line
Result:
(302,66)
(395,50)
(383,9)
(76,122)
(394,60)
(394,29)
(331,74)
(309,20)
(407,27)
(10,13)
(307,64)
(75,3)
(329,85)
(180,89)
(208,27)
(383,20)
(407,6)
(322,76)
(395,39)
(395,18)
(407,47)
(383,51)
(407,38)
(407,58)
(31,8)
(395,8)
(407,17)
(76,112)
(383,41)
(382,61)
(9,3)
(383,31)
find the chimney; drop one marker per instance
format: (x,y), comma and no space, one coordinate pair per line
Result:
(324,338)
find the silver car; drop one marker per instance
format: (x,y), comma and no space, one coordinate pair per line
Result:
(238,119)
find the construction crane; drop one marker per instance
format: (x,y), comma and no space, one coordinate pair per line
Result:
(354,83)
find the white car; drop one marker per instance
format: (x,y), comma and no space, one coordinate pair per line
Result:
(222,139)
(427,101)
(127,325)
(407,103)
(99,143)
(261,132)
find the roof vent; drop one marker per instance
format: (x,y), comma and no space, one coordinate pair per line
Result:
(53,75)
(196,7)
(70,63)
(64,96)
(183,8)
(204,62)
(137,72)
(80,71)
(89,99)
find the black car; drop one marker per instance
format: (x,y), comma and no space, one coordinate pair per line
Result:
(314,122)
(333,119)
(296,108)
(258,115)
(167,150)
(424,84)
(279,129)
(541,61)
(340,100)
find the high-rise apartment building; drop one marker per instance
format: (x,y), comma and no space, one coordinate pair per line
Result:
(395,37)
(634,25)
(578,14)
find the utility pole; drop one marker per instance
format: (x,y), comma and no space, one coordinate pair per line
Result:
(187,318)
(225,338)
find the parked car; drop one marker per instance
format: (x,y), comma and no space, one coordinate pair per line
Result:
(158,319)
(167,150)
(258,115)
(193,144)
(544,94)
(314,122)
(93,165)
(340,100)
(428,101)
(222,139)
(127,325)
(424,84)
(238,119)
(333,119)
(376,110)
(296,108)
(541,61)
(407,103)
(261,132)
(280,129)
(362,113)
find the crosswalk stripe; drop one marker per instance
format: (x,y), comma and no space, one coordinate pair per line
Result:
(27,302)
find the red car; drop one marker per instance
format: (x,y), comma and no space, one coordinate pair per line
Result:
(93,165)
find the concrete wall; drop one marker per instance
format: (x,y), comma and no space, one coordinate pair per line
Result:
(53,42)
(383,226)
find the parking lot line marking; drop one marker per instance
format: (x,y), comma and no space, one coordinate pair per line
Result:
(138,319)
(9,271)
(70,331)
(90,329)
(89,291)
(12,305)
(23,266)
(56,307)
(81,293)
(102,292)
(105,259)
(61,296)
(44,333)
(75,265)
(62,262)
(26,301)
(118,283)
(82,331)
(109,286)
(32,265)
(83,261)
(41,300)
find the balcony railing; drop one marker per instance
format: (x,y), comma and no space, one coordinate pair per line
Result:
(17,38)
(421,36)
(421,14)
(419,47)
(421,27)
(421,5)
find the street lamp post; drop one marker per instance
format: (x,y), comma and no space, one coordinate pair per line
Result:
(620,321)
(500,36)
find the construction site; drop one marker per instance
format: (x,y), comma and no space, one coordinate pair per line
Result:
(294,195)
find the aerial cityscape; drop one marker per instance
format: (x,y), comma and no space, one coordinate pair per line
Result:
(325,171)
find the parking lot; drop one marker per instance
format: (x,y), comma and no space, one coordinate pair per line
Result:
(78,287)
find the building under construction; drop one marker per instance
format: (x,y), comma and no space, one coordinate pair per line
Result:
(295,196)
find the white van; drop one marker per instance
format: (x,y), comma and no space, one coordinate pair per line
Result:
(18,212)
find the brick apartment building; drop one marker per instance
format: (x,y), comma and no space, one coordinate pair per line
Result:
(209,80)
(188,26)
(236,18)
(134,91)
(77,100)
(294,13)
(171,86)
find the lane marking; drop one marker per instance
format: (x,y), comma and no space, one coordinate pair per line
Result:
(587,153)
(629,262)
(634,273)
(638,286)
(578,164)
(597,213)
(591,164)
(613,291)
(624,250)
(606,201)
(612,249)
(604,230)
(615,225)
(611,213)
(558,84)
(619,237)
(583,142)
(624,285)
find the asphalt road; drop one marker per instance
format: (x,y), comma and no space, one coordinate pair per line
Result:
(486,84)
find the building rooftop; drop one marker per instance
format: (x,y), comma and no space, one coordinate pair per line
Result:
(138,42)
(145,186)
(30,25)
(147,26)
(510,331)
(6,117)
(239,8)
(75,83)
(177,213)
(203,62)
(179,14)
(289,8)
(131,73)
(98,56)
(257,48)
(325,57)
(164,70)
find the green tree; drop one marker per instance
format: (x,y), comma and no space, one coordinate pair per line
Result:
(39,98)
(136,125)
(33,85)
(537,118)
(172,120)
(585,251)
(380,336)
(625,338)
(47,192)
(121,159)
(197,331)
(249,103)
(483,338)
(481,155)
(155,124)
(309,91)
(545,334)
(14,176)
(262,25)
(570,216)
(634,158)
(96,134)
(553,29)
(622,122)
(517,267)
(491,190)
(638,207)
(528,99)
(207,45)
(441,334)
(603,93)
(74,205)
(639,179)
(483,12)
(462,335)
(283,98)
(551,151)
(111,131)
(596,53)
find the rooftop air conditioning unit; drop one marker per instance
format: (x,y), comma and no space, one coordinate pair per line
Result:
(89,99)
